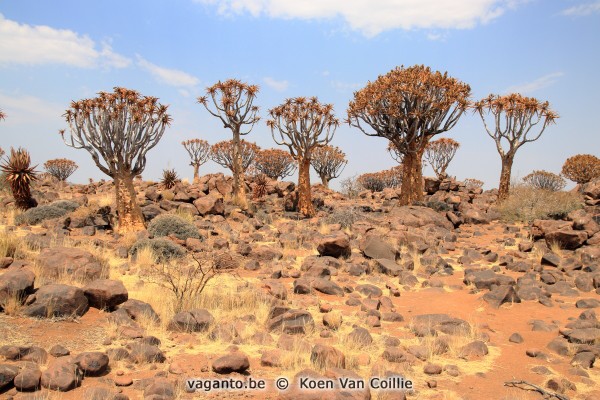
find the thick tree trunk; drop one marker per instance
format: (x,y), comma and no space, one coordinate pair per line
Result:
(196,177)
(131,218)
(239,189)
(504,188)
(305,205)
(325,181)
(411,189)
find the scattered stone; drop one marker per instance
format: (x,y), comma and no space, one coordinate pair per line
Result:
(234,362)
(105,293)
(197,320)
(323,357)
(56,300)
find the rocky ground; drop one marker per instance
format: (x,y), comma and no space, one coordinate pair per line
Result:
(443,294)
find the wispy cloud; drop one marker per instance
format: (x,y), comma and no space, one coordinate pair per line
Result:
(540,83)
(22,44)
(345,87)
(21,108)
(582,10)
(171,77)
(274,84)
(373,18)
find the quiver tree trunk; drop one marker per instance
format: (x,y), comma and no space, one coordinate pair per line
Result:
(503,190)
(325,181)
(131,218)
(239,189)
(196,176)
(305,205)
(411,189)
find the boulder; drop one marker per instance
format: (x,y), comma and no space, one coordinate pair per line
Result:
(105,293)
(69,261)
(210,205)
(92,363)
(376,247)
(56,300)
(417,216)
(292,322)
(234,362)
(567,239)
(16,282)
(335,245)
(500,295)
(486,278)
(62,374)
(323,356)
(197,320)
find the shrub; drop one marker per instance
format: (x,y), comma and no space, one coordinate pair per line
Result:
(350,187)
(169,224)
(346,217)
(36,215)
(377,181)
(163,249)
(581,168)
(545,180)
(472,184)
(526,204)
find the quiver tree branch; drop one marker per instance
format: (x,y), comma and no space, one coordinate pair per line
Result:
(514,120)
(329,162)
(118,129)
(199,151)
(302,125)
(408,106)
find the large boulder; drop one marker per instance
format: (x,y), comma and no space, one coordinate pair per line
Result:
(567,238)
(197,320)
(417,216)
(17,282)
(105,293)
(376,247)
(486,278)
(292,322)
(62,374)
(69,261)
(56,300)
(92,363)
(210,205)
(234,362)
(335,245)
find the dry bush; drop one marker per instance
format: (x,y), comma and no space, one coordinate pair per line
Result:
(526,204)
(545,180)
(472,183)
(171,224)
(581,168)
(377,181)
(350,187)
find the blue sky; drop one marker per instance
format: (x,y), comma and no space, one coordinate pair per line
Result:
(58,51)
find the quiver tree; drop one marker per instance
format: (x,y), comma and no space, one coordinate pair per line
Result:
(408,106)
(329,162)
(512,120)
(545,180)
(303,125)
(232,102)
(199,151)
(439,153)
(275,163)
(19,174)
(581,168)
(118,129)
(60,168)
(223,153)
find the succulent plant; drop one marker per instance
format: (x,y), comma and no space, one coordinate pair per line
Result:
(169,178)
(260,186)
(19,174)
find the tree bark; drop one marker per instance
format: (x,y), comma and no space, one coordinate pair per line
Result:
(196,177)
(305,205)
(239,189)
(130,216)
(411,189)
(325,181)
(504,188)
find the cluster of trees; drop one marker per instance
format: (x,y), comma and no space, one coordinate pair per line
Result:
(408,107)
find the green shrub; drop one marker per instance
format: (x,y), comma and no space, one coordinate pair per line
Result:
(36,215)
(169,224)
(526,204)
(163,249)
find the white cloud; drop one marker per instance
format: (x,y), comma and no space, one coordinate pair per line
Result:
(172,77)
(372,18)
(23,44)
(583,9)
(20,109)
(540,83)
(279,86)
(345,87)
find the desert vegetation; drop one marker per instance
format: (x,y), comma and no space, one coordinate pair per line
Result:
(125,288)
